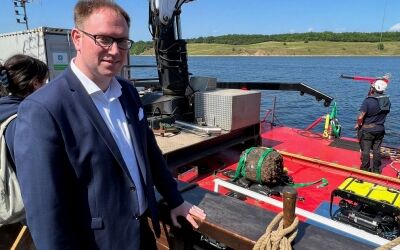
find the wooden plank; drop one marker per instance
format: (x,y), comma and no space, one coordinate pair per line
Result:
(163,242)
(8,234)
(347,169)
(172,142)
(23,241)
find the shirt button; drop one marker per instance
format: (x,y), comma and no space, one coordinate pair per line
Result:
(133,188)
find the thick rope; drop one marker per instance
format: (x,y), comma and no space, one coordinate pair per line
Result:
(390,244)
(280,238)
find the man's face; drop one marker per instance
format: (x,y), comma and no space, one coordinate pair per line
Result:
(97,62)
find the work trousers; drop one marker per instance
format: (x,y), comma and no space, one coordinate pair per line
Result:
(368,141)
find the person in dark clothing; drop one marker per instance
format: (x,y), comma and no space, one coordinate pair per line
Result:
(370,125)
(20,76)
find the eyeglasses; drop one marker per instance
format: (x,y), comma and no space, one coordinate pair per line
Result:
(108,41)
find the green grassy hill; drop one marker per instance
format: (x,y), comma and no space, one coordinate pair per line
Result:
(308,48)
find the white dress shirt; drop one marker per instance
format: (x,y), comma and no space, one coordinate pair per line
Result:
(110,109)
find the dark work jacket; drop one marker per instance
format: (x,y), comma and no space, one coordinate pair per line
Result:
(376,108)
(8,107)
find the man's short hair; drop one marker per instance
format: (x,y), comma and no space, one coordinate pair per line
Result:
(84,8)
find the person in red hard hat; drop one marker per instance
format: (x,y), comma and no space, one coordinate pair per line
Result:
(370,125)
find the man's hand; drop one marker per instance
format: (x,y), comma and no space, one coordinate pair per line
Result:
(360,120)
(187,210)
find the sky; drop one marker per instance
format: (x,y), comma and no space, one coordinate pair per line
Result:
(221,17)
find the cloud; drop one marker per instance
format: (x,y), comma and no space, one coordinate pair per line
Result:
(291,31)
(395,27)
(310,30)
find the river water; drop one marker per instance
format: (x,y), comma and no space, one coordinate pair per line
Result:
(321,73)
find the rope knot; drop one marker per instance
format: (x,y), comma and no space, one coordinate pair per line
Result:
(281,238)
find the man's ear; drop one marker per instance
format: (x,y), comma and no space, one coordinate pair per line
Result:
(76,36)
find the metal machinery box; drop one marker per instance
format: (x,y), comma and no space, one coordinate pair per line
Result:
(229,109)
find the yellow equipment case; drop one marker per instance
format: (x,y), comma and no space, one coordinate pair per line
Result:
(369,206)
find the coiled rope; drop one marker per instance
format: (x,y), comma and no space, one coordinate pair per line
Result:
(389,245)
(280,238)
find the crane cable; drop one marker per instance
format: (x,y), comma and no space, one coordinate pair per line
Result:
(383,21)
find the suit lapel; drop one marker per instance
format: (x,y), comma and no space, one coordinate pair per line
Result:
(131,108)
(87,104)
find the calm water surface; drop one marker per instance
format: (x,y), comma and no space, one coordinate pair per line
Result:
(321,73)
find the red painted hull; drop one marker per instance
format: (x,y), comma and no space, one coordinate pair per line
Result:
(307,157)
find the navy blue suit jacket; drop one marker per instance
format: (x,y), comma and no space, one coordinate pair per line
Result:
(75,185)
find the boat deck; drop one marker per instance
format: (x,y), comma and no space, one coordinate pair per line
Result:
(307,157)
(340,156)
(237,225)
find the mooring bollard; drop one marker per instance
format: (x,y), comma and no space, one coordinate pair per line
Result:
(289,205)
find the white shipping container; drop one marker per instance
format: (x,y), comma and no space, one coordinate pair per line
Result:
(51,45)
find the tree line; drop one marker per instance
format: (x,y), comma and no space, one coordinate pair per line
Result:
(234,39)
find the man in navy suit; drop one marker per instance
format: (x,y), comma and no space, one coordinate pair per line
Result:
(86,158)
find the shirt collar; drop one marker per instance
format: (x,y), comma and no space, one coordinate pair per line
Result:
(113,91)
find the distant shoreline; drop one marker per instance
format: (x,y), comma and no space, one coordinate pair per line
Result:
(311,48)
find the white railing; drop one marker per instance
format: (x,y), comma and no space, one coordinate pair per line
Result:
(358,233)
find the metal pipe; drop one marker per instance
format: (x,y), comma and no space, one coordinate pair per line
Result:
(25,15)
(207,130)
(273,111)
